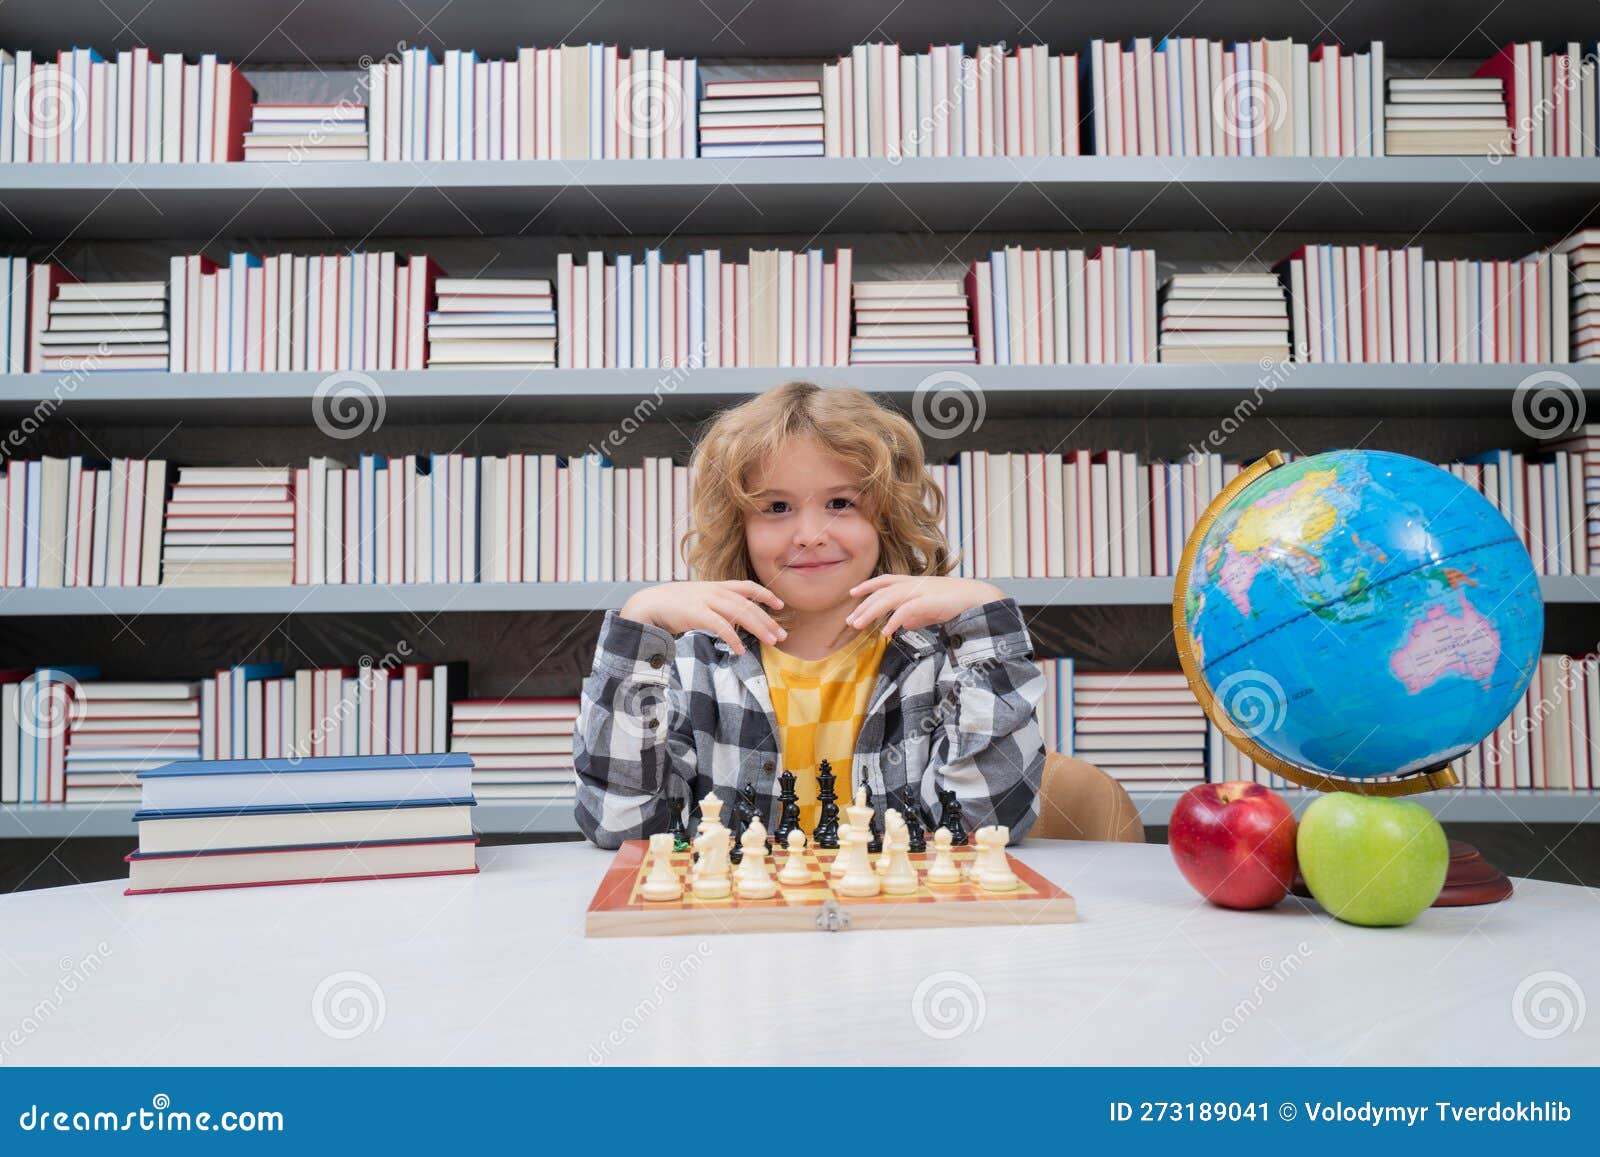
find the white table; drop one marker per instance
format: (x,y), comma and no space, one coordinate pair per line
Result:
(495,969)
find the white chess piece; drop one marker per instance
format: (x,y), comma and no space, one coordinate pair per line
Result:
(943,870)
(710,879)
(858,879)
(900,876)
(795,870)
(839,860)
(707,833)
(662,883)
(993,871)
(754,876)
(892,821)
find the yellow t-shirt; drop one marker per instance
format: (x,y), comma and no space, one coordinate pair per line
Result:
(820,705)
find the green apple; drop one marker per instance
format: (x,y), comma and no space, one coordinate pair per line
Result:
(1370,859)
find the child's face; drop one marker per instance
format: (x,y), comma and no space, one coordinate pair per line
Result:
(809,537)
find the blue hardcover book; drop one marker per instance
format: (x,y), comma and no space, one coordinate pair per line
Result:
(239,266)
(1002,308)
(370,465)
(624,346)
(252,784)
(144,815)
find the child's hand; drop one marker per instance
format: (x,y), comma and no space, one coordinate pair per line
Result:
(918,601)
(708,606)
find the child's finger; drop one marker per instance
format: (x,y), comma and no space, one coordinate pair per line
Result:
(750,616)
(710,620)
(876,582)
(754,590)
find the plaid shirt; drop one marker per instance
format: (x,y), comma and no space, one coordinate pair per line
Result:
(954,707)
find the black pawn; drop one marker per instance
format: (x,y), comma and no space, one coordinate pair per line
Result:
(680,829)
(875,824)
(826,834)
(916,834)
(950,817)
(788,810)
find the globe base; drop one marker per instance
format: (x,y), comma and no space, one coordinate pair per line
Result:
(1469,880)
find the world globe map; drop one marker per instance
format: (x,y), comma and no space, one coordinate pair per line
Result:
(1361,613)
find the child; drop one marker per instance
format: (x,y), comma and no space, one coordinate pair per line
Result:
(824,625)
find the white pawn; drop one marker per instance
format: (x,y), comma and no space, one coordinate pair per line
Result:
(662,883)
(795,871)
(755,878)
(943,870)
(893,822)
(993,872)
(840,861)
(900,878)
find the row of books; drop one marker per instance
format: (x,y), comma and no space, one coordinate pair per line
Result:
(879,101)
(1146,729)
(136,109)
(1551,98)
(1189,96)
(425,518)
(779,308)
(70,738)
(242,823)
(1056,306)
(1360,303)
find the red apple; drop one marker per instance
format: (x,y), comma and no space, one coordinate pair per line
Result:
(1234,842)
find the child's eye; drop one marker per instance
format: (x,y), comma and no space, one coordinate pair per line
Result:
(773,507)
(846,502)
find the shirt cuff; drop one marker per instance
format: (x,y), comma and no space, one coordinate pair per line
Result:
(630,649)
(992,630)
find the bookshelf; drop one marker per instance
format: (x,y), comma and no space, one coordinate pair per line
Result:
(839,194)
(1462,202)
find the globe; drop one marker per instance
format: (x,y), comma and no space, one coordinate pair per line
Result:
(1355,614)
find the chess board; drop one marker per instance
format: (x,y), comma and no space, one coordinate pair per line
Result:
(618,909)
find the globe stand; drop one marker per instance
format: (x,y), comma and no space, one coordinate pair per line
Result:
(1469,879)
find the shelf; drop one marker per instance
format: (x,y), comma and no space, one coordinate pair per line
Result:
(283,31)
(1155,390)
(524,598)
(59,821)
(1458,806)
(372,200)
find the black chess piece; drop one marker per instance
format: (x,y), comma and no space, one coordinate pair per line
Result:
(875,824)
(950,817)
(680,820)
(749,810)
(826,833)
(916,833)
(788,810)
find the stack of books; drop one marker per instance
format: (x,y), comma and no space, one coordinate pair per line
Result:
(66,523)
(1551,98)
(355,311)
(307,132)
(882,102)
(778,309)
(120,729)
(139,108)
(521,748)
(1195,97)
(243,822)
(1145,728)
(1038,306)
(911,321)
(575,102)
(761,118)
(492,323)
(1224,317)
(1582,253)
(1359,303)
(1447,116)
(37,709)
(225,527)
(115,325)
(257,711)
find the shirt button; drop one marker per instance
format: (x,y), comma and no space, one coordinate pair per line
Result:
(767,766)
(955,640)
(651,724)
(657,659)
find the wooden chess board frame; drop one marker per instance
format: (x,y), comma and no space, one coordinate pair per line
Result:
(618,910)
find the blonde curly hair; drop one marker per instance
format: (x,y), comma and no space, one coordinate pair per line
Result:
(881,446)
